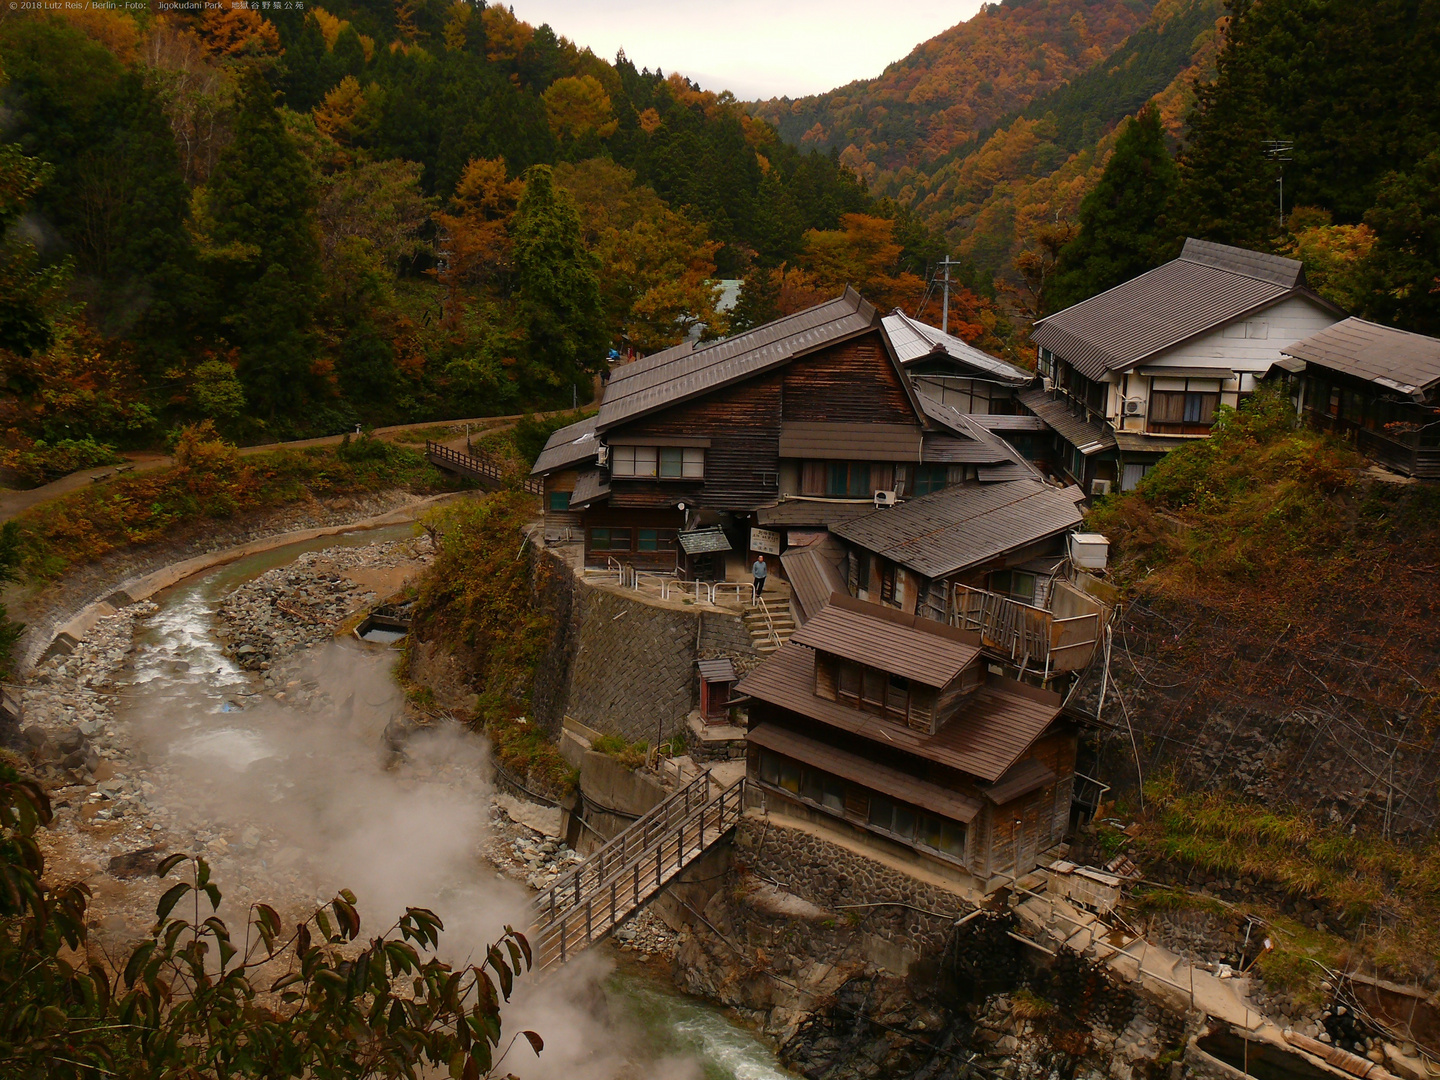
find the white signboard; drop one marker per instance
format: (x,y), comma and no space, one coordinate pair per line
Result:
(765,541)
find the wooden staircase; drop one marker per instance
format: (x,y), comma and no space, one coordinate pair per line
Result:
(770,623)
(621,877)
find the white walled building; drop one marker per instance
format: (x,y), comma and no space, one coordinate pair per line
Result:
(1137,370)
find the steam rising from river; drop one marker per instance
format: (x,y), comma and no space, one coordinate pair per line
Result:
(296,800)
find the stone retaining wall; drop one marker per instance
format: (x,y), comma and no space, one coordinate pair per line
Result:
(620,665)
(840,881)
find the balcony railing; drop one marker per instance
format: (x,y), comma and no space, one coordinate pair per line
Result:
(1033,638)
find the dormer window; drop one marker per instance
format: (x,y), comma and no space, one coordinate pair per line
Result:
(875,691)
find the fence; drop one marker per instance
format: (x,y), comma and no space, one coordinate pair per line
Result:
(485,469)
(614,882)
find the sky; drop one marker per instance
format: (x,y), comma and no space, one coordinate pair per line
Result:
(754,48)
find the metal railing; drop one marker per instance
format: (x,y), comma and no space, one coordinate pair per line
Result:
(477,466)
(769,622)
(618,879)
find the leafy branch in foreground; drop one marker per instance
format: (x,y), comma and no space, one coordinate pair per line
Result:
(190,1001)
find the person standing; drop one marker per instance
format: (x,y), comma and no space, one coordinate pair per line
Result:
(761,572)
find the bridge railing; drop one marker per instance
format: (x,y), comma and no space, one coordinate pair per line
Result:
(481,467)
(617,879)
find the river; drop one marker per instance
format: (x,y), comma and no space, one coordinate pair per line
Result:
(298,785)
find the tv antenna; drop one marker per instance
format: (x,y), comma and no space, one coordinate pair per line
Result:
(1278,150)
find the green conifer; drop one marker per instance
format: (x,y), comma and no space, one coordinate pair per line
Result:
(265,250)
(1122,222)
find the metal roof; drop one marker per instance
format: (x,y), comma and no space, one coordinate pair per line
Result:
(620,372)
(719,363)
(1207,286)
(953,450)
(718,670)
(991,474)
(987,446)
(995,724)
(920,649)
(840,441)
(914,340)
(863,771)
(567,447)
(813,579)
(1024,777)
(959,527)
(1087,436)
(799,510)
(700,541)
(1400,361)
(1000,422)
(590,485)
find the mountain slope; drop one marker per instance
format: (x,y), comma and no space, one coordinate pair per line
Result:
(956,84)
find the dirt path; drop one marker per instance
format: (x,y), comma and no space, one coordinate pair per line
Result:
(14,503)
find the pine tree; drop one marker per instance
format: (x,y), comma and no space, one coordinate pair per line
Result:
(264,248)
(1227,191)
(1406,261)
(559,284)
(1122,222)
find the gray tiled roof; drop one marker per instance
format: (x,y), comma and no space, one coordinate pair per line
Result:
(1088,436)
(567,448)
(958,527)
(1207,286)
(1401,361)
(913,340)
(968,441)
(719,363)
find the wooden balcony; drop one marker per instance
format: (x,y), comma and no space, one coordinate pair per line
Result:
(1032,637)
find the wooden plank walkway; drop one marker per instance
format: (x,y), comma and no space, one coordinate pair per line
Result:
(621,877)
(476,466)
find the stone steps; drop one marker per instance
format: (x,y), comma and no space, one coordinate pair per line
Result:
(759,627)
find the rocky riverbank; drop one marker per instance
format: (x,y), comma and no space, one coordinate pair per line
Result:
(230,727)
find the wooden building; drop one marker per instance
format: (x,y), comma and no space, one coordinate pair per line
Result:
(954,372)
(1007,537)
(1134,372)
(890,727)
(784,428)
(1377,386)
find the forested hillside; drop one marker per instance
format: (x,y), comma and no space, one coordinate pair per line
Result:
(375,212)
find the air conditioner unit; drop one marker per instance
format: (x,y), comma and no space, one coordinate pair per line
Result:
(884,499)
(1048,383)
(1134,406)
(602,455)
(1099,487)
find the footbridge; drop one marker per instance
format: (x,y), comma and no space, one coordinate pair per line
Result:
(481,467)
(618,880)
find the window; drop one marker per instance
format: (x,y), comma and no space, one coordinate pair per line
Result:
(1016,584)
(813,478)
(849,682)
(862,570)
(666,462)
(1132,474)
(647,540)
(823,789)
(609,539)
(887,583)
(849,480)
(780,772)
(1185,412)
(872,689)
(941,834)
(930,478)
(897,697)
(559,501)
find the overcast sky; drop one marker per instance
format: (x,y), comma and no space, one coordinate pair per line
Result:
(755,48)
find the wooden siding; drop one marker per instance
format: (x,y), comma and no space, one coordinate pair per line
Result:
(561,524)
(742,462)
(607,517)
(851,382)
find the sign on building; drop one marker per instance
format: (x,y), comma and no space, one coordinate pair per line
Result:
(765,541)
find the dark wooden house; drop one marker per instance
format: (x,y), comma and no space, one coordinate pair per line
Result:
(787,427)
(890,726)
(1377,386)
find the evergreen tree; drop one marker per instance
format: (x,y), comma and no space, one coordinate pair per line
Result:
(1227,190)
(263,243)
(305,71)
(28,289)
(1122,222)
(559,284)
(1406,261)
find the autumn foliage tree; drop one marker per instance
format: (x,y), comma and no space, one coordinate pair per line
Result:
(864,253)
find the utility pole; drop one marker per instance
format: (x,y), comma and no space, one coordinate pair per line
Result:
(945,304)
(1278,150)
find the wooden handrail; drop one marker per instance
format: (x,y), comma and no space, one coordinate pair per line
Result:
(480,466)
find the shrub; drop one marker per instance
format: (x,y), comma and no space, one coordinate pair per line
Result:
(42,462)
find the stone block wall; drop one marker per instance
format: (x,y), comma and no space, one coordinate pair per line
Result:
(911,913)
(618,664)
